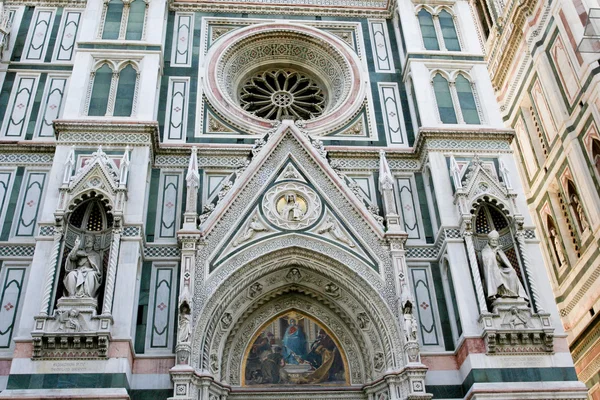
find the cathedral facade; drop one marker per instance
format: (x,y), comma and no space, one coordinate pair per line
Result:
(265,200)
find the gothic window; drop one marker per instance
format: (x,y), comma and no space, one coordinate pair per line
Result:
(100,91)
(444,100)
(596,154)
(135,22)
(456,99)
(113,90)
(123,20)
(483,15)
(468,107)
(428,30)
(276,94)
(125,92)
(438,30)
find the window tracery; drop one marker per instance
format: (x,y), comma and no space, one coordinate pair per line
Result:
(113,89)
(275,94)
(456,98)
(438,29)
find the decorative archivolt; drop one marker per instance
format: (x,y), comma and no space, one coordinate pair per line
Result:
(434,10)
(451,75)
(116,65)
(324,279)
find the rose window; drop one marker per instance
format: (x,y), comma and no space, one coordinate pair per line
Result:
(277,94)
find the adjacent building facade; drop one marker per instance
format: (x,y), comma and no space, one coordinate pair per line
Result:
(543,59)
(265,200)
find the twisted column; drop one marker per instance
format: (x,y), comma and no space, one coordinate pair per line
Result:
(51,272)
(468,237)
(536,296)
(111,272)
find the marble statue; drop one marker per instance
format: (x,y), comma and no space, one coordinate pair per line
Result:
(253,227)
(558,247)
(500,276)
(291,211)
(331,227)
(185,329)
(83,269)
(579,214)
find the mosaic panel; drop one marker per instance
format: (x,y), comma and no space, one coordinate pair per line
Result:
(68,36)
(39,35)
(19,107)
(10,296)
(32,190)
(176,119)
(424,302)
(392,112)
(162,308)
(382,54)
(52,105)
(181,55)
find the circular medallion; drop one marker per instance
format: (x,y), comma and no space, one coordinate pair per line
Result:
(291,206)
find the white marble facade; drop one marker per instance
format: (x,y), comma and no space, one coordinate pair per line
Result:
(330,252)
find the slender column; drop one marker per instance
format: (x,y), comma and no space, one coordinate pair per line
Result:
(526,264)
(468,236)
(47,293)
(112,270)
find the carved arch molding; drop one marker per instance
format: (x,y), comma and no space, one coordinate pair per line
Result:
(296,280)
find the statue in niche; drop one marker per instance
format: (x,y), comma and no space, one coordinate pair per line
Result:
(253,227)
(557,247)
(500,276)
(185,328)
(332,228)
(83,269)
(579,214)
(291,210)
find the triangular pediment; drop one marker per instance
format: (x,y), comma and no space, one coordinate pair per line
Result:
(98,172)
(289,188)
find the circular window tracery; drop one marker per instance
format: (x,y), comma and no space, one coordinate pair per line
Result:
(278,94)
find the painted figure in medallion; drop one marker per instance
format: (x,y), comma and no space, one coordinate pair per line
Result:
(83,269)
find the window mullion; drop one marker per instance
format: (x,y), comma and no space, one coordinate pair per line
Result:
(102,19)
(110,108)
(438,32)
(88,96)
(124,19)
(456,102)
(135,94)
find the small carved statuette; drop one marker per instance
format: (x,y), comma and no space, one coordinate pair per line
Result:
(291,210)
(501,278)
(363,320)
(332,289)
(579,214)
(332,228)
(185,329)
(378,361)
(253,227)
(214,363)
(83,269)
(255,289)
(294,275)
(557,247)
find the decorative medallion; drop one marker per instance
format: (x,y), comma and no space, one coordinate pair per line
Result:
(292,206)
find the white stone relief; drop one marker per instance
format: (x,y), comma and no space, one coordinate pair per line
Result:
(291,206)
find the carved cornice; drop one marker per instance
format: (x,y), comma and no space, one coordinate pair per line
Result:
(505,42)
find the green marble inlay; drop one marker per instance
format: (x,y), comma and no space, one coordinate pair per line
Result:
(67,381)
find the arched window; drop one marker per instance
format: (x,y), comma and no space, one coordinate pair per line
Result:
(484,17)
(110,96)
(123,21)
(428,30)
(466,100)
(125,91)
(444,100)
(135,22)
(100,91)
(596,154)
(438,30)
(112,21)
(448,31)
